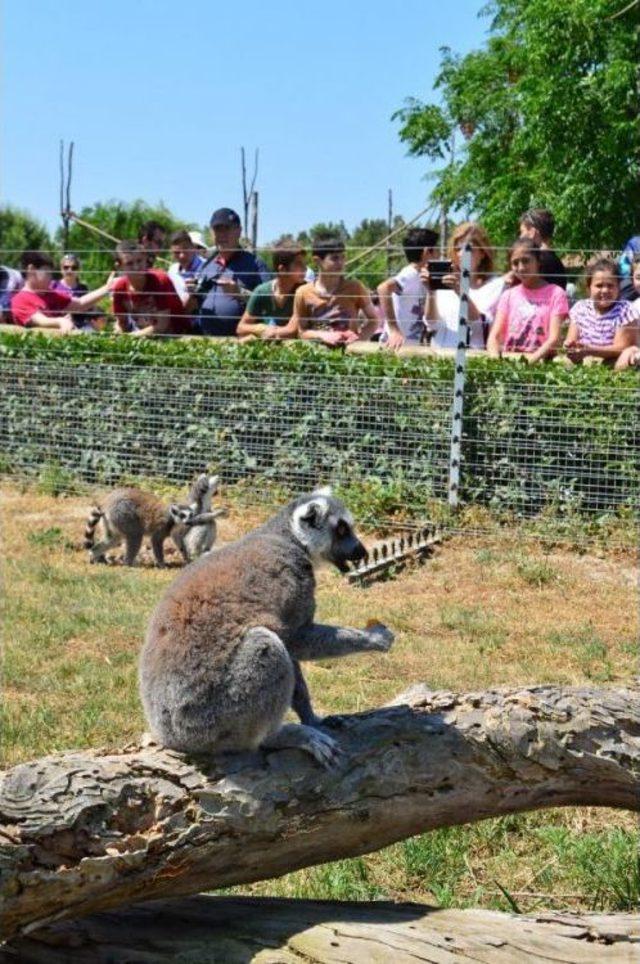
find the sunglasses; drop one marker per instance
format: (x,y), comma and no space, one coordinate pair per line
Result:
(70,267)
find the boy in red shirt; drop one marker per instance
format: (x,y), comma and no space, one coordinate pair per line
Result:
(37,306)
(145,301)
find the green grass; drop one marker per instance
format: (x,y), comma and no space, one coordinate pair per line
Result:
(535,572)
(520,863)
(590,649)
(471,623)
(55,480)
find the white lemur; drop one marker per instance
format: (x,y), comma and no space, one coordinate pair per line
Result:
(219,668)
(131,514)
(197,537)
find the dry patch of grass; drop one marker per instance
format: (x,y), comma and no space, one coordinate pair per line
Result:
(480,613)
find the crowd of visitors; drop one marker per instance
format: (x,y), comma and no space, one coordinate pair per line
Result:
(228,291)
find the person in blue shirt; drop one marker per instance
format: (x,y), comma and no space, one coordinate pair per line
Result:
(630,251)
(227,279)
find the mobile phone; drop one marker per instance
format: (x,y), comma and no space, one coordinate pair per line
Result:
(437,271)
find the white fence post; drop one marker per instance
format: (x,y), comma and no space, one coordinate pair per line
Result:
(455,449)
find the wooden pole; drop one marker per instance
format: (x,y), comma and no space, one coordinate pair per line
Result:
(254,220)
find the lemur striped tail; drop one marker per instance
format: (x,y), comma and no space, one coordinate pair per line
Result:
(92,521)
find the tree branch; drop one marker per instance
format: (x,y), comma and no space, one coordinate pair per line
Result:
(91,830)
(213,929)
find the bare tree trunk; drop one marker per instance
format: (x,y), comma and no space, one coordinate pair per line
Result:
(91,830)
(222,930)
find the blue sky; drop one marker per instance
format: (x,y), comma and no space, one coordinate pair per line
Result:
(159,96)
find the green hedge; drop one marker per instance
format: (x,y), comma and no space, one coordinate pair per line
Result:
(535,437)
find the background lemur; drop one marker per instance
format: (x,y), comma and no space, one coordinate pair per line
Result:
(131,514)
(219,668)
(198,537)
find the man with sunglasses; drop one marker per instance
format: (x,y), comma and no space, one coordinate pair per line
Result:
(69,284)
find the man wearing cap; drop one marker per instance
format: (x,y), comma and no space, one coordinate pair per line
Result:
(227,279)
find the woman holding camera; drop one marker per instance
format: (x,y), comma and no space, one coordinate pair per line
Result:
(443,302)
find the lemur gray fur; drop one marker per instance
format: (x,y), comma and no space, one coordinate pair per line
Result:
(198,537)
(129,515)
(220,665)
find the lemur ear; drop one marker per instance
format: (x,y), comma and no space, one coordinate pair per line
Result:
(323,490)
(313,513)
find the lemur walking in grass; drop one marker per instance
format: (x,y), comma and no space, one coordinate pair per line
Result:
(130,514)
(220,665)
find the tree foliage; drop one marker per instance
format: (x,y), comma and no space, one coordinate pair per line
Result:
(368,232)
(122,221)
(20,232)
(333,229)
(549,112)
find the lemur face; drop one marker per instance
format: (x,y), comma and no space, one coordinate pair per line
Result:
(181,514)
(324,526)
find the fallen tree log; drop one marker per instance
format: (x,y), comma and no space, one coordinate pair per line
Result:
(214,929)
(86,831)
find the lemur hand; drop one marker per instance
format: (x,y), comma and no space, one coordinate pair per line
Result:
(380,637)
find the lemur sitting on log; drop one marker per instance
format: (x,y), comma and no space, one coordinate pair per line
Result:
(220,665)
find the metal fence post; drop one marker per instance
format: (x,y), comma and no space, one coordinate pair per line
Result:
(455,448)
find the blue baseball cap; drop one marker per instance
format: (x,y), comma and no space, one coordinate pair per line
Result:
(224,216)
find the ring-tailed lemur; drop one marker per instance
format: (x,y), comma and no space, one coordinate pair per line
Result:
(198,537)
(219,668)
(129,515)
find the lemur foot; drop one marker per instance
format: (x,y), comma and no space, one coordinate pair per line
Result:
(322,748)
(299,736)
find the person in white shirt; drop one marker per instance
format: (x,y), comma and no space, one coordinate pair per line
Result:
(443,304)
(189,253)
(403,298)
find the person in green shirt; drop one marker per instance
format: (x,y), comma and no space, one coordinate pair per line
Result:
(270,306)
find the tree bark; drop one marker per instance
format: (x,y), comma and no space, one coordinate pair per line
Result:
(211,930)
(90,830)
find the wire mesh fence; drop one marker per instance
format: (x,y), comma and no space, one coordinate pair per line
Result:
(106,422)
(526,449)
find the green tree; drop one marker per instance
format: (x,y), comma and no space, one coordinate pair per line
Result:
(546,114)
(122,221)
(372,266)
(20,232)
(369,232)
(323,229)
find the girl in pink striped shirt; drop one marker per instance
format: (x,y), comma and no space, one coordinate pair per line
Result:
(600,326)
